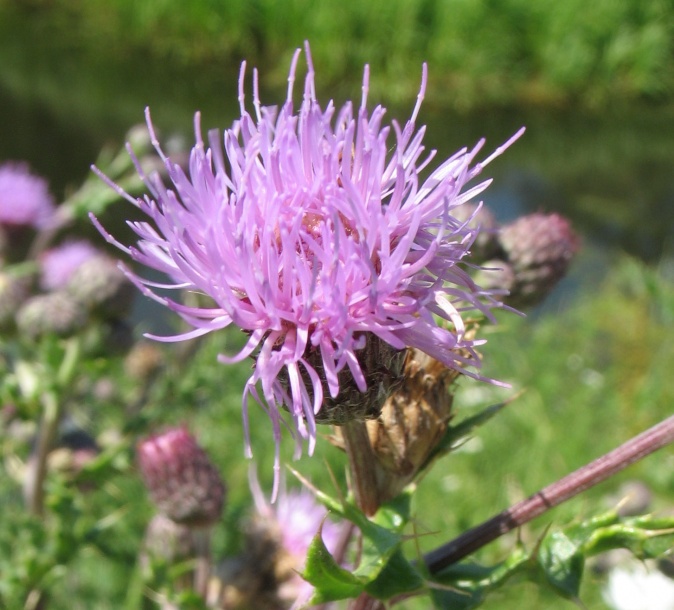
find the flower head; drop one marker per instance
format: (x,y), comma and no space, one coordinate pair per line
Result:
(278,539)
(24,198)
(315,236)
(58,264)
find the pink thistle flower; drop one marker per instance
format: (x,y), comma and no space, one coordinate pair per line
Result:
(291,522)
(313,235)
(24,198)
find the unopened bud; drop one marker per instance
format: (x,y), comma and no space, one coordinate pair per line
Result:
(183,482)
(539,248)
(102,287)
(143,361)
(167,540)
(53,313)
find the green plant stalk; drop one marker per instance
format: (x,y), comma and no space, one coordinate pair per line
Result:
(50,422)
(361,466)
(53,407)
(566,488)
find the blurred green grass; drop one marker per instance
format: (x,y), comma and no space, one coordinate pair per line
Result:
(483,52)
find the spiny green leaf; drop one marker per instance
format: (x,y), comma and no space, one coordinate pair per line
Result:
(398,576)
(645,536)
(395,514)
(379,543)
(465,586)
(331,581)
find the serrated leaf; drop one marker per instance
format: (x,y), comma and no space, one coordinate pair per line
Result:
(398,576)
(378,544)
(465,586)
(645,536)
(395,514)
(330,580)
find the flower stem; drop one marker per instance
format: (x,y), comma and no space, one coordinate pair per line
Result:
(202,571)
(571,485)
(34,490)
(361,466)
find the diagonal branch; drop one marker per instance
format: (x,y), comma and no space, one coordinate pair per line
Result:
(571,485)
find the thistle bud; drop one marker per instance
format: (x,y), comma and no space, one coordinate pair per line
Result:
(99,285)
(539,248)
(182,481)
(53,313)
(167,540)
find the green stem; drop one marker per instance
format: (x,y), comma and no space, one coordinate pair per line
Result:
(361,466)
(48,428)
(53,406)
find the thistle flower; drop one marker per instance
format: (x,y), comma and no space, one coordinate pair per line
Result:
(277,541)
(24,198)
(319,240)
(58,264)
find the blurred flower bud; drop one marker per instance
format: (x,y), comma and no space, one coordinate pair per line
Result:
(102,287)
(143,361)
(181,479)
(539,248)
(277,538)
(53,313)
(167,540)
(138,137)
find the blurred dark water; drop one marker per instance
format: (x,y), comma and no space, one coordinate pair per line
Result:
(612,173)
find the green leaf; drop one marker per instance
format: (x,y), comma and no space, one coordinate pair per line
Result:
(466,585)
(645,536)
(380,553)
(398,576)
(562,562)
(331,581)
(379,543)
(395,514)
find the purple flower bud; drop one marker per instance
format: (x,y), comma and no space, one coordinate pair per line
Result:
(539,249)
(182,481)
